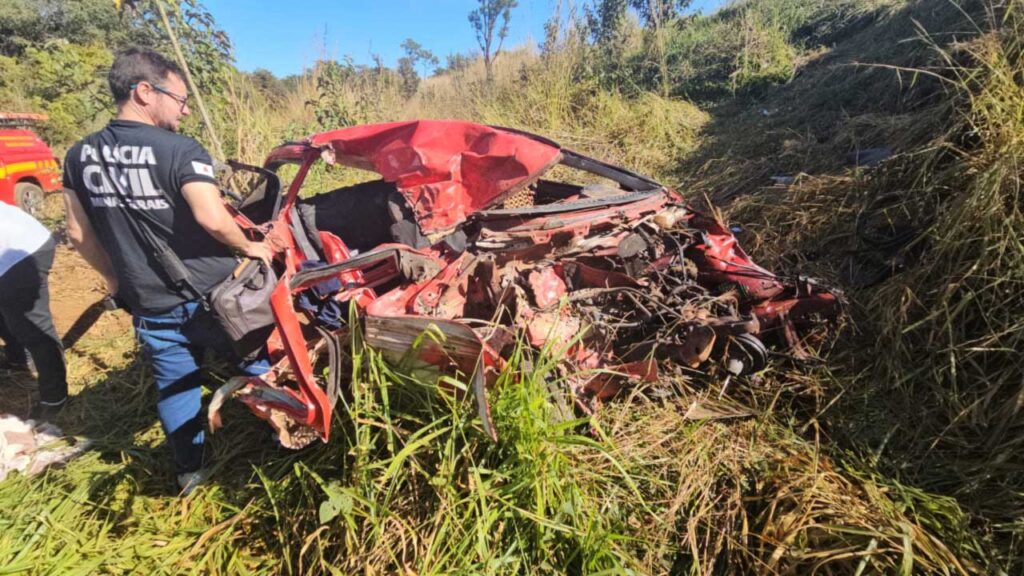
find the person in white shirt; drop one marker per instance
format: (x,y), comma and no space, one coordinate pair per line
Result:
(26,256)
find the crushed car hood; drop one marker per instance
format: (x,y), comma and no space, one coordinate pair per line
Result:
(447,170)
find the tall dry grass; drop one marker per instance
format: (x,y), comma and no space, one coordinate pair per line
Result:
(930,382)
(538,94)
(957,315)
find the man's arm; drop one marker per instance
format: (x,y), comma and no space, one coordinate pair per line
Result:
(84,239)
(209,211)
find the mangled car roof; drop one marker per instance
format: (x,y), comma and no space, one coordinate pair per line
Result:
(446,169)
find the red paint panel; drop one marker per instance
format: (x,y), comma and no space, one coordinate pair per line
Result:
(445,169)
(318,408)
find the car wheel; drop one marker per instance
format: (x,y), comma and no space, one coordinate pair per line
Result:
(29,197)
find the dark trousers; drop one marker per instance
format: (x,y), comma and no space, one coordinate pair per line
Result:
(26,322)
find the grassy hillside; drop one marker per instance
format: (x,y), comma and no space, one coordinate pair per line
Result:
(927,388)
(899,453)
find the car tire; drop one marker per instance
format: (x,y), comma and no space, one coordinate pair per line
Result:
(29,197)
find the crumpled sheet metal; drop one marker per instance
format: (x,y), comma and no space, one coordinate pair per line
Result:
(610,322)
(446,170)
(623,283)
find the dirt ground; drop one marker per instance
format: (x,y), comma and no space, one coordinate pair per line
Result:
(74,288)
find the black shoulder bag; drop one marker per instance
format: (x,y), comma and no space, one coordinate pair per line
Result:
(240,303)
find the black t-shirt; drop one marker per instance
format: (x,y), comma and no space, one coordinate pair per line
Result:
(147,166)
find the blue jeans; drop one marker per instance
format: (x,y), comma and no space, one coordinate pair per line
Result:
(174,342)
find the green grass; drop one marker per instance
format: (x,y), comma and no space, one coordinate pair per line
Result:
(410,483)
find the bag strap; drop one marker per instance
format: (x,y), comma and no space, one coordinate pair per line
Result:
(176,274)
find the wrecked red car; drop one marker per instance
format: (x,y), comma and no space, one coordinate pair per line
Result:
(485,235)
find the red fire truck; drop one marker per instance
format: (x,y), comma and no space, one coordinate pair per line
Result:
(28,169)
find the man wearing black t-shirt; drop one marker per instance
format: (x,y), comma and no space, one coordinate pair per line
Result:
(139,174)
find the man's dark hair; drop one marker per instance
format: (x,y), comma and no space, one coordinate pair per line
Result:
(137,64)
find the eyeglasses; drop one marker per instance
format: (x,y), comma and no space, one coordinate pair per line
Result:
(182,100)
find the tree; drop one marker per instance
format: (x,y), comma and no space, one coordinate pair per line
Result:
(414,55)
(417,54)
(656,13)
(54,54)
(25,23)
(206,48)
(268,84)
(66,81)
(484,20)
(407,73)
(605,20)
(329,108)
(456,63)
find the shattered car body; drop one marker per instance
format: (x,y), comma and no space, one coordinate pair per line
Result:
(469,235)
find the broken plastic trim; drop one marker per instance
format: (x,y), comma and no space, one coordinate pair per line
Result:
(629,180)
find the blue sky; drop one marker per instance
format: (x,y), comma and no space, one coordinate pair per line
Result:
(285,36)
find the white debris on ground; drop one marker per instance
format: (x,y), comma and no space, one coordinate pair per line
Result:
(30,448)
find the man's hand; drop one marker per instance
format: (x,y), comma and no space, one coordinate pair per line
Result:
(259,251)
